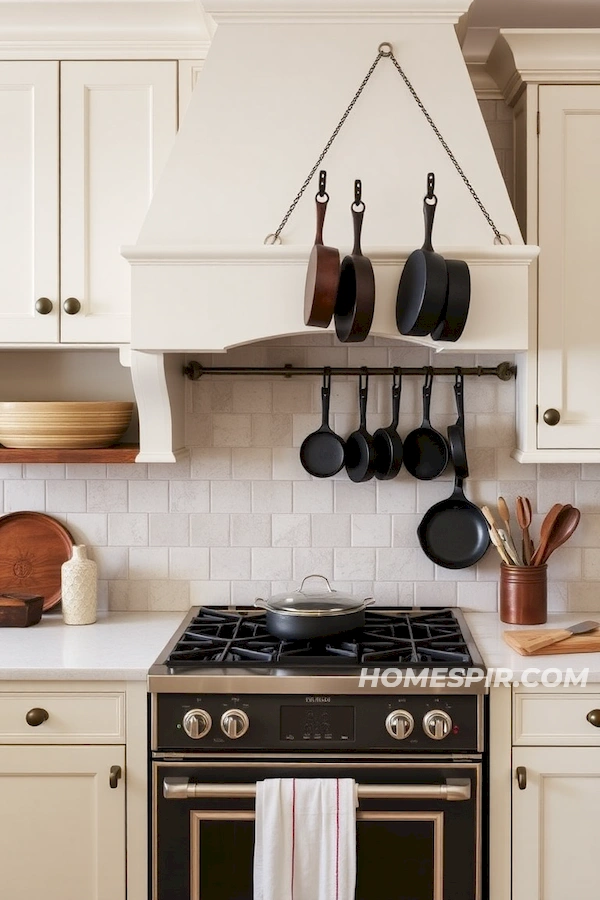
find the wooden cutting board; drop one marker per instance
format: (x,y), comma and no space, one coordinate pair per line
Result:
(578,643)
(33,546)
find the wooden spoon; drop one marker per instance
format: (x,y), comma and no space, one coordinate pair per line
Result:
(505,516)
(565,524)
(546,530)
(524,519)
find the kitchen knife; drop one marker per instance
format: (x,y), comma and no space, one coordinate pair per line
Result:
(555,635)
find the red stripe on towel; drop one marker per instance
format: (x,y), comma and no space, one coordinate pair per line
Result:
(293,835)
(337,841)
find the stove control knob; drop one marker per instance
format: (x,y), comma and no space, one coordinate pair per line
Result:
(437,724)
(399,724)
(197,723)
(234,723)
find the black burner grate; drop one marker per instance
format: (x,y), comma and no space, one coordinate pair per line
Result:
(394,637)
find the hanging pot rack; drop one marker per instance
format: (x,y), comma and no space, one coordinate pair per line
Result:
(195,370)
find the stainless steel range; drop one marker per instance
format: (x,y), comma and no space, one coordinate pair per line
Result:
(231,705)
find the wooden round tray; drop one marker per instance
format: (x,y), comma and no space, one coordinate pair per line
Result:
(33,547)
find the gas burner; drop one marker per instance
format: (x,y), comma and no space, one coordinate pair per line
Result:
(394,636)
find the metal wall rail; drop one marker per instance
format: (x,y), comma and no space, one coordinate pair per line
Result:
(195,370)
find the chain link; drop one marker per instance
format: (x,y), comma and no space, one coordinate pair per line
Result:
(388,54)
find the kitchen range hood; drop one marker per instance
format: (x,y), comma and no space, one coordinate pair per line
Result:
(277,79)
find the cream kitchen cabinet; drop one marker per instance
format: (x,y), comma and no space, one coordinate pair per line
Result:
(62,826)
(82,146)
(551,79)
(556,793)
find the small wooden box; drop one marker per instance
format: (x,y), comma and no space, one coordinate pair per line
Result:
(20,610)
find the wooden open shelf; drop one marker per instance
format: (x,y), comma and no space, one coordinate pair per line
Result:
(120,453)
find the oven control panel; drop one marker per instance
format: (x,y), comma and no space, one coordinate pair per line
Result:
(411,723)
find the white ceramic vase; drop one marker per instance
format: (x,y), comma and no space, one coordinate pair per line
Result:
(79,578)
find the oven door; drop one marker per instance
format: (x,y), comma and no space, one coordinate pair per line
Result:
(418,827)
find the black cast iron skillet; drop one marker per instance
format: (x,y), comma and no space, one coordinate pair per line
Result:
(424,282)
(323,273)
(355,300)
(425,449)
(456,308)
(386,441)
(456,432)
(360,453)
(322,452)
(454,532)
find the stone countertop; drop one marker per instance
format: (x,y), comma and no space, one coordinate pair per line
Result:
(120,646)
(487,629)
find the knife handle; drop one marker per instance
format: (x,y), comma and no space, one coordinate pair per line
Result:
(533,642)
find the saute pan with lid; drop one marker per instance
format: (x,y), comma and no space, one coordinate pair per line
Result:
(323,273)
(355,301)
(424,280)
(302,615)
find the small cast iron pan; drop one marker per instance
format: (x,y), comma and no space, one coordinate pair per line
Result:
(456,432)
(454,532)
(425,449)
(322,452)
(386,441)
(355,300)
(422,290)
(456,308)
(360,453)
(323,273)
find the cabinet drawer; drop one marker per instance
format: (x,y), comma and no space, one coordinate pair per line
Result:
(72,718)
(555,719)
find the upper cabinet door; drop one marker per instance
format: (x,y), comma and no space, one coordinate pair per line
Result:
(29,192)
(118,121)
(569,265)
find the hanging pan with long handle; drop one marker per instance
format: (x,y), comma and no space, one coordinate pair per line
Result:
(322,452)
(387,443)
(456,432)
(456,306)
(323,273)
(355,300)
(454,532)
(360,452)
(424,282)
(425,449)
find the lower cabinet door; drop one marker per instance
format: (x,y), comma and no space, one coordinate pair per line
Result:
(555,823)
(62,826)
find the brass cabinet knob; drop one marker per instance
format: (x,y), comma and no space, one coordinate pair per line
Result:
(36,716)
(593,717)
(551,417)
(71,306)
(522,777)
(115,774)
(43,306)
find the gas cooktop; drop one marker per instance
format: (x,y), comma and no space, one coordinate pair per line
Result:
(393,636)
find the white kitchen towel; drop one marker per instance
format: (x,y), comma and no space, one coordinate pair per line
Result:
(305,843)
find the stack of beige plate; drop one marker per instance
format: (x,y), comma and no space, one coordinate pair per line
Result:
(71,425)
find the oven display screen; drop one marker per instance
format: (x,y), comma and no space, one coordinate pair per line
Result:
(318,723)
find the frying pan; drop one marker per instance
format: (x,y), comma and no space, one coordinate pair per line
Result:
(360,453)
(424,282)
(425,450)
(355,300)
(386,441)
(322,452)
(323,273)
(456,307)
(454,532)
(456,432)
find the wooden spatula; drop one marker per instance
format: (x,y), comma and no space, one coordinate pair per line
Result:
(536,641)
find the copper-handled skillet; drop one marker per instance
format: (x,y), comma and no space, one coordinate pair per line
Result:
(323,273)
(355,301)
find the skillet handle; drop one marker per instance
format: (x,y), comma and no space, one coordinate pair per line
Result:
(429,205)
(427,396)
(459,395)
(358,211)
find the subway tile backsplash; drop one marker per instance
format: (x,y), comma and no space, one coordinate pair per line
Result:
(240,518)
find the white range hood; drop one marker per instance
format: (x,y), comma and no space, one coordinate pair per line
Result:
(278,76)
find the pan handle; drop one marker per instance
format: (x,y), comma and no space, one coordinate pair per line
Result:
(262,604)
(460,396)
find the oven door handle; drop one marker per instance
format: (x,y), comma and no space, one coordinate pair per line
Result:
(451,789)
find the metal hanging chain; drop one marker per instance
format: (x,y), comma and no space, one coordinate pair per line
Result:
(386,51)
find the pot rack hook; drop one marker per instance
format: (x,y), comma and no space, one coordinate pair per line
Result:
(322,183)
(357,192)
(430,186)
(385,49)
